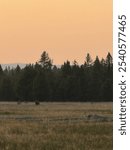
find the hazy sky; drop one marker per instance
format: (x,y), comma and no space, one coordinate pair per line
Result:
(66,29)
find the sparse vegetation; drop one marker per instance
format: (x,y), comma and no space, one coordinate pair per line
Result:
(30,127)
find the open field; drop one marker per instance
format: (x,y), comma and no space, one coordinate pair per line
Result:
(56,126)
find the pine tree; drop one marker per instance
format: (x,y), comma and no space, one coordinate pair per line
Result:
(45,61)
(88,61)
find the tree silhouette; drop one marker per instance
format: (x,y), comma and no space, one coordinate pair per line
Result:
(91,81)
(88,60)
(45,61)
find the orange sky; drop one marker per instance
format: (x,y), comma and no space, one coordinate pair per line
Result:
(66,29)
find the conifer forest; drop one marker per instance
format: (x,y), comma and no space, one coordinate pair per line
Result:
(43,81)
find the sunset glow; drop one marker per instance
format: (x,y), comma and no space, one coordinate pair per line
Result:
(66,29)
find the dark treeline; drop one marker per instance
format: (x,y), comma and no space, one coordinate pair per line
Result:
(91,81)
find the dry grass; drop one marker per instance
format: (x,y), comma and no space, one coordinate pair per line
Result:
(29,134)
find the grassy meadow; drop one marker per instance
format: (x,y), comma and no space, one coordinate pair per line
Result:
(55,126)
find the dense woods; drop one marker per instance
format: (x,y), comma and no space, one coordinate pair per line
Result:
(43,81)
